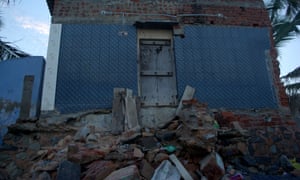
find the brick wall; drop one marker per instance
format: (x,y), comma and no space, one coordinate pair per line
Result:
(271,133)
(280,90)
(238,12)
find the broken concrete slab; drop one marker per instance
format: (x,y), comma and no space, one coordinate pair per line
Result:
(124,112)
(131,115)
(101,122)
(187,95)
(166,171)
(152,117)
(82,133)
(183,172)
(63,119)
(118,115)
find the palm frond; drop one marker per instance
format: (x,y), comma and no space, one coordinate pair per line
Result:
(294,74)
(293,6)
(285,29)
(8,51)
(274,8)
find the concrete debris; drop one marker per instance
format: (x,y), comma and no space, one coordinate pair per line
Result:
(127,173)
(212,166)
(160,157)
(197,144)
(183,172)
(99,169)
(42,176)
(82,134)
(138,153)
(68,170)
(146,169)
(125,115)
(45,165)
(82,155)
(187,95)
(166,171)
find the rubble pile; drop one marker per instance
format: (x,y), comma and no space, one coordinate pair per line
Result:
(268,132)
(197,144)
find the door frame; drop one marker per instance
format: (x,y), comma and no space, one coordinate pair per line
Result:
(155,34)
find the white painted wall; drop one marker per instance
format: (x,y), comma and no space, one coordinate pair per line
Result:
(50,75)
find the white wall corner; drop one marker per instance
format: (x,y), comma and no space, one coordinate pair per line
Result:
(50,74)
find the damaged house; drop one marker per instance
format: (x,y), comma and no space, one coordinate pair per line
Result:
(224,49)
(211,63)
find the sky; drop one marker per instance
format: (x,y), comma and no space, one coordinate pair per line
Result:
(26,23)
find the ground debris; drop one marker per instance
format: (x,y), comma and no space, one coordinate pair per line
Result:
(249,144)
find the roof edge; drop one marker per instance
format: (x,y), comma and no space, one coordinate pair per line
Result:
(50,4)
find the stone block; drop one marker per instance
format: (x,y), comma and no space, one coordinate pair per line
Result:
(68,171)
(126,173)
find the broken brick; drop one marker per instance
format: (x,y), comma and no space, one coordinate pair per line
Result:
(99,169)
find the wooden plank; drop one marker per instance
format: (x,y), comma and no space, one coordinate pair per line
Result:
(129,92)
(131,117)
(183,172)
(121,92)
(26,97)
(187,95)
(117,116)
(138,108)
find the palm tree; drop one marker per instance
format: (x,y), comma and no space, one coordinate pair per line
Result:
(7,50)
(285,19)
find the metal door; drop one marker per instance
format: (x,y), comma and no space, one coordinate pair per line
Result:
(157,75)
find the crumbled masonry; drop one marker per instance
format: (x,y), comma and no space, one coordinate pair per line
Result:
(198,143)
